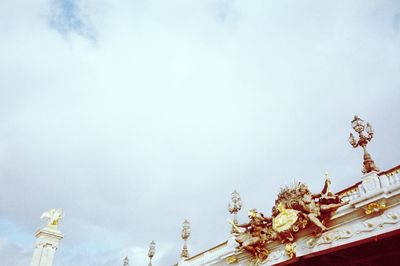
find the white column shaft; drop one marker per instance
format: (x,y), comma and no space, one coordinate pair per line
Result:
(46,246)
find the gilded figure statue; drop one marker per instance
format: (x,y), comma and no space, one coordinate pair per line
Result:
(254,235)
(296,208)
(53,217)
(314,208)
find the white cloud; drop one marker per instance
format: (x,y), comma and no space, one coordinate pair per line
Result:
(176,104)
(12,254)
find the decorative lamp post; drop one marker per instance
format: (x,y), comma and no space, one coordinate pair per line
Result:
(152,251)
(234,207)
(363,139)
(185,235)
(126,261)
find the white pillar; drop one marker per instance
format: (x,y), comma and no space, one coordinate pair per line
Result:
(47,240)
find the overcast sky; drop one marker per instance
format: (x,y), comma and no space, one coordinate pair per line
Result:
(134,115)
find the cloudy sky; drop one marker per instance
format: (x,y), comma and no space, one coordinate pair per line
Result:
(134,115)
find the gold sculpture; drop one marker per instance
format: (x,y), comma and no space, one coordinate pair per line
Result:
(290,249)
(296,208)
(53,217)
(231,260)
(285,219)
(257,232)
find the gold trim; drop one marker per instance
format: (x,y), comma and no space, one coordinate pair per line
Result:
(231,259)
(374,207)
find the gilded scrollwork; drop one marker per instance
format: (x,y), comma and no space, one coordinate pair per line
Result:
(231,260)
(290,249)
(375,207)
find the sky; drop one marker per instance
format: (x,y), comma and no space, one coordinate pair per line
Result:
(134,115)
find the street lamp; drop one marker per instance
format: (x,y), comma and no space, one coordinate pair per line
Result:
(152,251)
(234,207)
(185,235)
(126,261)
(363,139)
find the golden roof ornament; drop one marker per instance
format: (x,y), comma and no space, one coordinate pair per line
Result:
(290,249)
(285,219)
(53,217)
(365,135)
(231,259)
(296,208)
(254,235)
